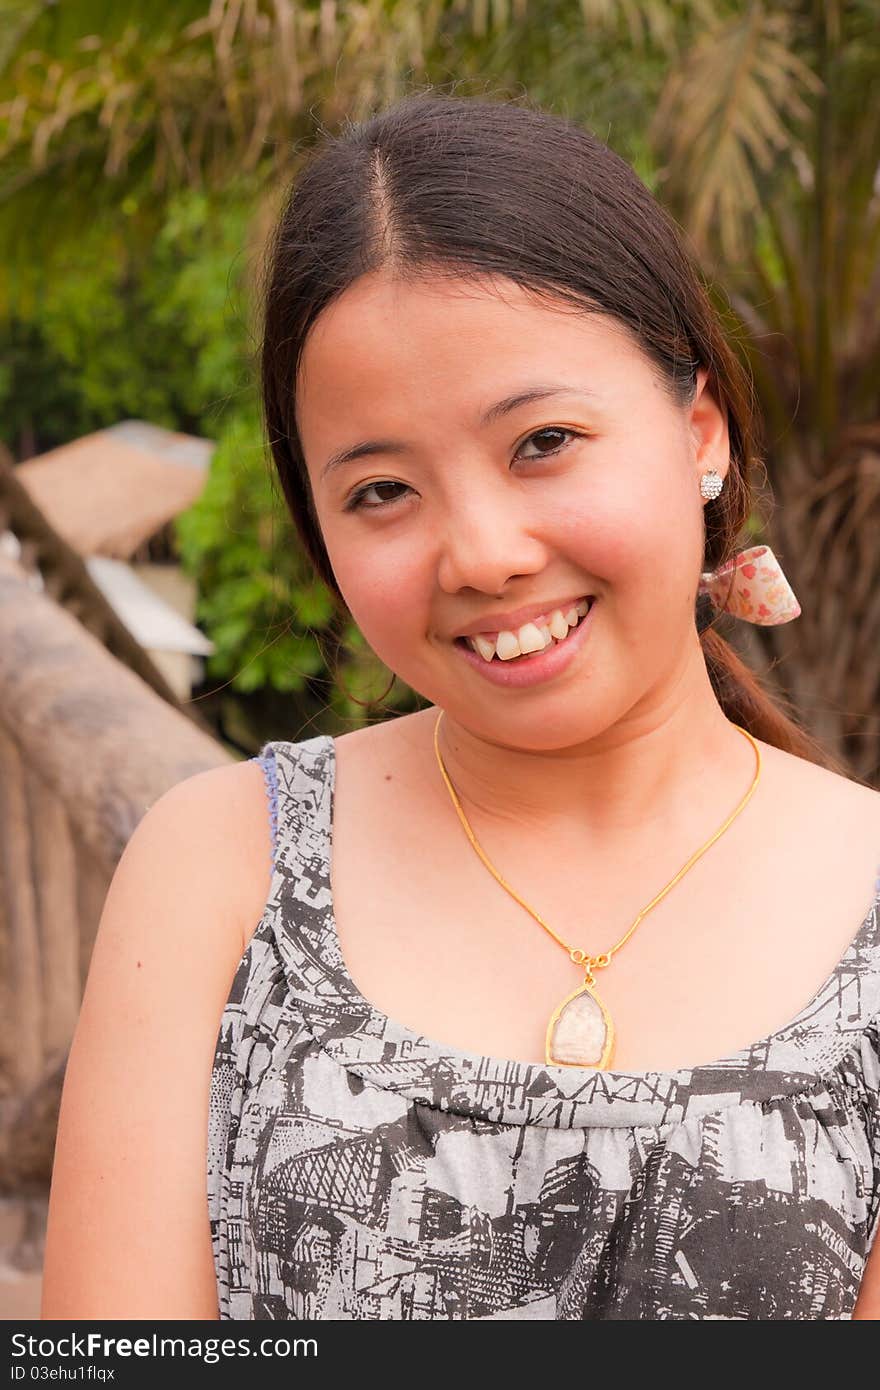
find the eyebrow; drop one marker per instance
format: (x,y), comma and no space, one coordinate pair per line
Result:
(368,447)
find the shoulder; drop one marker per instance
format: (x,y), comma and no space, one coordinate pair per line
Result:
(218,794)
(218,829)
(826,817)
(195,869)
(209,839)
(820,786)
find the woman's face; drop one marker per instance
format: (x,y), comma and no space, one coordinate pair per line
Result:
(457,514)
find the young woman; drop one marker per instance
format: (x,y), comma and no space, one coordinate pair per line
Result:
(580,1018)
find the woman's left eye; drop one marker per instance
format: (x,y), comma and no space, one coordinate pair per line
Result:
(549,429)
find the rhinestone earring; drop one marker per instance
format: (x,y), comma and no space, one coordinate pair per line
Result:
(711,484)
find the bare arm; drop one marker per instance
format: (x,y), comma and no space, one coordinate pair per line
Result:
(128,1233)
(868,1302)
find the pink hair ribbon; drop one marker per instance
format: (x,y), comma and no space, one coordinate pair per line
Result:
(752,586)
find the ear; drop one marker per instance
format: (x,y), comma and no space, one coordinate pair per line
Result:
(707,424)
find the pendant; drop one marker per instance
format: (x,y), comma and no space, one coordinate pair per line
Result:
(580,1032)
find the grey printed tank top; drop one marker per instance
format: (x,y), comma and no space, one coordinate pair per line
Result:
(357,1170)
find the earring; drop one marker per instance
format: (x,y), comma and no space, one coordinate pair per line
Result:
(711,484)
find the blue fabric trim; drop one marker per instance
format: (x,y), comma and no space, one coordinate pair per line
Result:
(267,763)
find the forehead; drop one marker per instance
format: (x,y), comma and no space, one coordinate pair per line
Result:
(439,343)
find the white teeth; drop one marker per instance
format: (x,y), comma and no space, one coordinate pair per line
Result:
(531,637)
(507,646)
(483,646)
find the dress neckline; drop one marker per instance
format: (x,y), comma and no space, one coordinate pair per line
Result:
(392,1056)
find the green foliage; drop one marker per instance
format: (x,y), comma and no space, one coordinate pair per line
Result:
(195,294)
(260,602)
(120,326)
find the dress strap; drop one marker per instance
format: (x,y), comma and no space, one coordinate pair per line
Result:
(299,783)
(298,795)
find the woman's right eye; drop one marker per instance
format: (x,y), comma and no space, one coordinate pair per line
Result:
(356,501)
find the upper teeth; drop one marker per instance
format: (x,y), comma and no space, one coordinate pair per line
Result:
(531,637)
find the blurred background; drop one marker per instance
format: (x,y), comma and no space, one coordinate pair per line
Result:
(156,614)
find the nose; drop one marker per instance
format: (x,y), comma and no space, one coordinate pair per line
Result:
(485,543)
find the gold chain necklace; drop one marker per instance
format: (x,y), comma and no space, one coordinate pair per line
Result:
(580,1032)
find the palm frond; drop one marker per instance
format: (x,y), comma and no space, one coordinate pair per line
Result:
(727,118)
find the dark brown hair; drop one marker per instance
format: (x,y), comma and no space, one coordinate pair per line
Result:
(479,189)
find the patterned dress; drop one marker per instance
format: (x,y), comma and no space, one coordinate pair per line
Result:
(358,1170)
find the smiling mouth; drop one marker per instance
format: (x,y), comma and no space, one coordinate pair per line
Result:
(526,656)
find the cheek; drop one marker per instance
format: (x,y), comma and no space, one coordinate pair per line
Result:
(384,587)
(642,538)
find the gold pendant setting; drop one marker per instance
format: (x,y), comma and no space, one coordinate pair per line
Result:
(580,1032)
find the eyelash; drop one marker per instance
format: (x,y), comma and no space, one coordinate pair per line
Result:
(355,502)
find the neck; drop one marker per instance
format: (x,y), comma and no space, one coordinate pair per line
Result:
(679,764)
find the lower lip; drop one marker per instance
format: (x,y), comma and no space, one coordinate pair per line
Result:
(538,666)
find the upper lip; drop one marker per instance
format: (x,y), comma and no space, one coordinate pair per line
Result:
(517,617)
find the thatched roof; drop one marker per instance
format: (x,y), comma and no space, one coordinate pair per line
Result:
(108,492)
